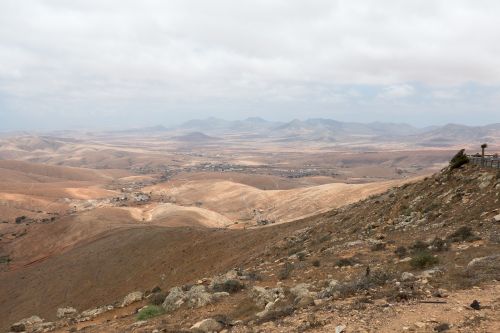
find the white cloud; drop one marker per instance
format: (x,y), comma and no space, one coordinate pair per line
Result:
(63,53)
(397,91)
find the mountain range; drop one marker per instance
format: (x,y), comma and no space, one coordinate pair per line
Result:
(329,130)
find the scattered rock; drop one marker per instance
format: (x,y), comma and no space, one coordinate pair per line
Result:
(95,311)
(207,326)
(263,296)
(331,290)
(174,300)
(66,312)
(494,259)
(18,327)
(406,276)
(420,324)
(340,329)
(442,327)
(133,297)
(23,324)
(198,296)
(303,297)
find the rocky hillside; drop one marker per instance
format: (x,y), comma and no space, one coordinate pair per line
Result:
(423,257)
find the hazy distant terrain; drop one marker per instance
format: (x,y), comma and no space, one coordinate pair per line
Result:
(68,191)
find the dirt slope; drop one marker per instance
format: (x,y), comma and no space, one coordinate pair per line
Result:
(239,202)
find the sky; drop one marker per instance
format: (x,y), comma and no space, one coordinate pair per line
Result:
(122,63)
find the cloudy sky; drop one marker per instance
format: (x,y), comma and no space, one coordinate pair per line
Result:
(123,63)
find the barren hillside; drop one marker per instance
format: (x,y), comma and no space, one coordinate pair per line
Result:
(432,248)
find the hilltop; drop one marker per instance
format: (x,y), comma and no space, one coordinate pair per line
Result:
(416,255)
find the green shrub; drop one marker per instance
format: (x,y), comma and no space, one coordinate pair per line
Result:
(459,159)
(150,311)
(423,259)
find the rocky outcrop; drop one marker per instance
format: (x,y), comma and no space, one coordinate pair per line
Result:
(196,297)
(66,312)
(207,326)
(331,290)
(303,296)
(26,323)
(133,297)
(263,296)
(176,297)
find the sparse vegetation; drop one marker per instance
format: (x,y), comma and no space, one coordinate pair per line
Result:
(254,276)
(345,262)
(301,255)
(5,259)
(285,272)
(229,286)
(316,263)
(20,219)
(462,234)
(157,298)
(374,279)
(442,327)
(439,245)
(419,246)
(378,247)
(150,311)
(401,252)
(423,259)
(459,159)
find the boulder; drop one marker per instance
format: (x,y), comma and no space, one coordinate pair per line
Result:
(18,327)
(174,300)
(340,329)
(207,326)
(133,297)
(90,313)
(66,312)
(219,295)
(496,218)
(407,276)
(198,296)
(303,297)
(229,280)
(25,323)
(262,296)
(331,290)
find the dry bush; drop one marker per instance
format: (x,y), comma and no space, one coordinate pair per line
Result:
(423,259)
(285,272)
(345,262)
(157,298)
(401,251)
(463,234)
(229,286)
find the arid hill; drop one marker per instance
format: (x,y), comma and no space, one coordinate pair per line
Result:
(416,256)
